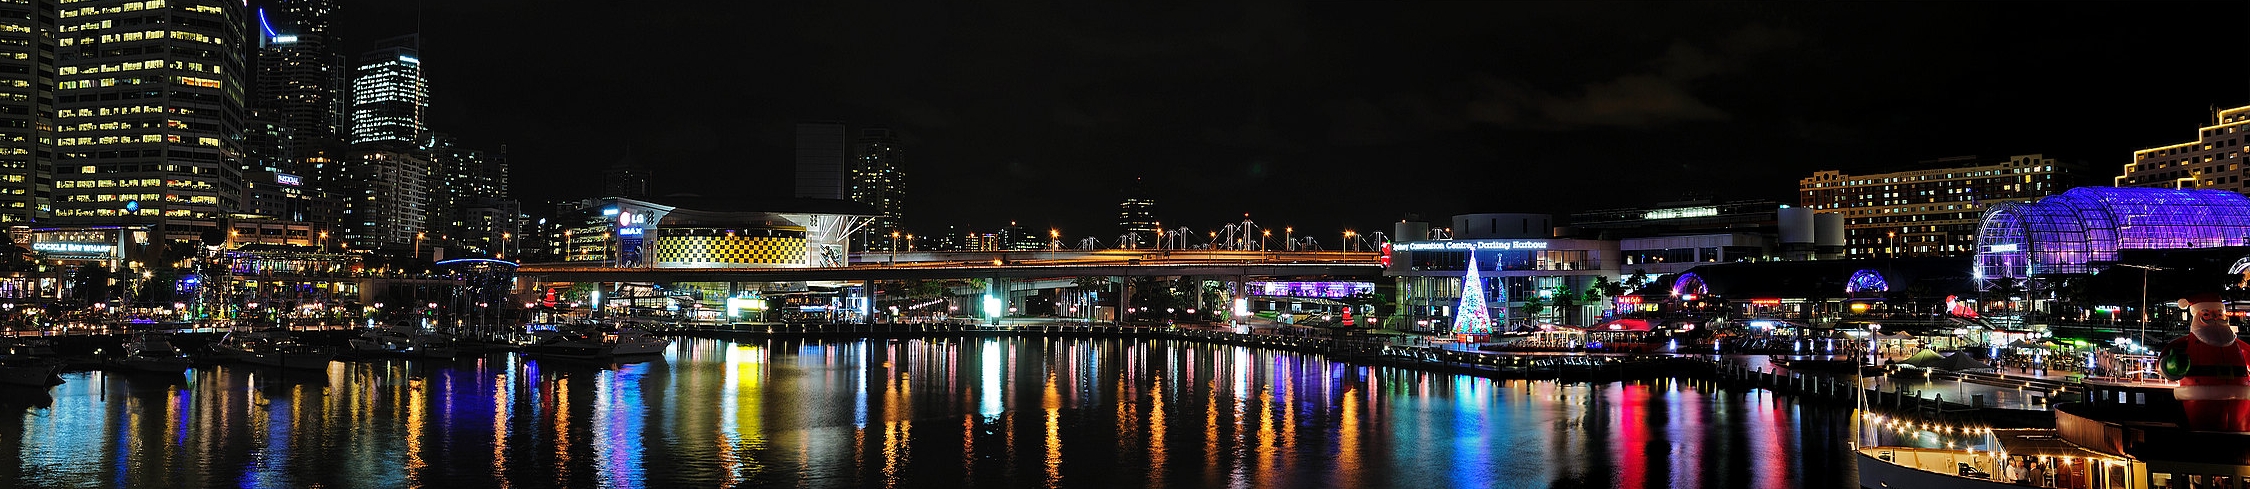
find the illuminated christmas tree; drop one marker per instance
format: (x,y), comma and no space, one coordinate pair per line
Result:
(1472,316)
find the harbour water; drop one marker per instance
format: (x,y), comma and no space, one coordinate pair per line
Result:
(964,412)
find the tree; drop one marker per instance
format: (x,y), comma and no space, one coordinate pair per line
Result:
(1565,301)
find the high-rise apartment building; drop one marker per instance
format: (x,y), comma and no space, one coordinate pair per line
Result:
(627,179)
(301,82)
(878,179)
(389,94)
(388,199)
(1137,215)
(2212,161)
(820,161)
(1933,211)
(149,103)
(27,109)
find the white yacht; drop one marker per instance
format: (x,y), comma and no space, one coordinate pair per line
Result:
(153,352)
(272,348)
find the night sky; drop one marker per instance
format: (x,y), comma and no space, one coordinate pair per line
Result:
(1323,116)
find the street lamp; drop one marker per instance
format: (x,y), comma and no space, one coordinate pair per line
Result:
(1264,235)
(1347,245)
(1890,244)
(1289,238)
(2145,269)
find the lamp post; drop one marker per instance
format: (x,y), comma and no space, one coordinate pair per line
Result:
(1289,238)
(418,235)
(1347,244)
(2145,269)
(1890,244)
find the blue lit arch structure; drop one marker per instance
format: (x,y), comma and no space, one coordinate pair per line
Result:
(2074,231)
(1866,283)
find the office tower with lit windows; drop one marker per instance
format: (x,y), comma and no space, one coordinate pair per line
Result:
(627,179)
(389,94)
(1934,210)
(300,82)
(388,204)
(1137,215)
(2214,160)
(27,110)
(466,185)
(878,179)
(149,103)
(821,153)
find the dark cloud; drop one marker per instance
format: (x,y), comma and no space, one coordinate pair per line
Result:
(1662,96)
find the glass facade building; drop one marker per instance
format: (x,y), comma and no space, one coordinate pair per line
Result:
(149,109)
(389,94)
(27,109)
(2081,230)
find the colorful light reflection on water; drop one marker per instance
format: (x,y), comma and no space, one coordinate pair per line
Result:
(908,413)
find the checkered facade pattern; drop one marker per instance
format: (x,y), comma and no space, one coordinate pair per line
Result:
(746,250)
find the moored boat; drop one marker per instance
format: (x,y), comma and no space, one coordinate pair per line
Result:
(31,372)
(153,352)
(382,341)
(274,348)
(596,344)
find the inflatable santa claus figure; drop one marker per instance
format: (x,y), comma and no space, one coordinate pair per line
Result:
(2213,369)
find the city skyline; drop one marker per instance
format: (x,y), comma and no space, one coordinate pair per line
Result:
(1292,115)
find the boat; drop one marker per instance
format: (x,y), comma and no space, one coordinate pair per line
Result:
(15,370)
(273,348)
(382,341)
(595,344)
(433,345)
(153,352)
(35,347)
(2124,434)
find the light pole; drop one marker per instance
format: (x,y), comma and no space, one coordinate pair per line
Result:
(1265,235)
(1347,244)
(1289,238)
(418,235)
(1890,245)
(2145,269)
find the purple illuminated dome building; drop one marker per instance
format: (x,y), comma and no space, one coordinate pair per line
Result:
(2082,230)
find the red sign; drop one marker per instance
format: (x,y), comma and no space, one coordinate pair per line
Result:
(1386,258)
(1347,315)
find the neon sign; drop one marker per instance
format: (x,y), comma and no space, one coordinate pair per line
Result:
(288,179)
(101,249)
(1517,244)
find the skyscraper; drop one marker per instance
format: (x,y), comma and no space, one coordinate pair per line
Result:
(27,109)
(878,179)
(389,199)
(389,94)
(149,115)
(1137,215)
(820,160)
(301,80)
(627,178)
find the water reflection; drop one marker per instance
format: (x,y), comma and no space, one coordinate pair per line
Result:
(890,413)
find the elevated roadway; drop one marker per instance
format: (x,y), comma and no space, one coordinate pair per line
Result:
(1013,264)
